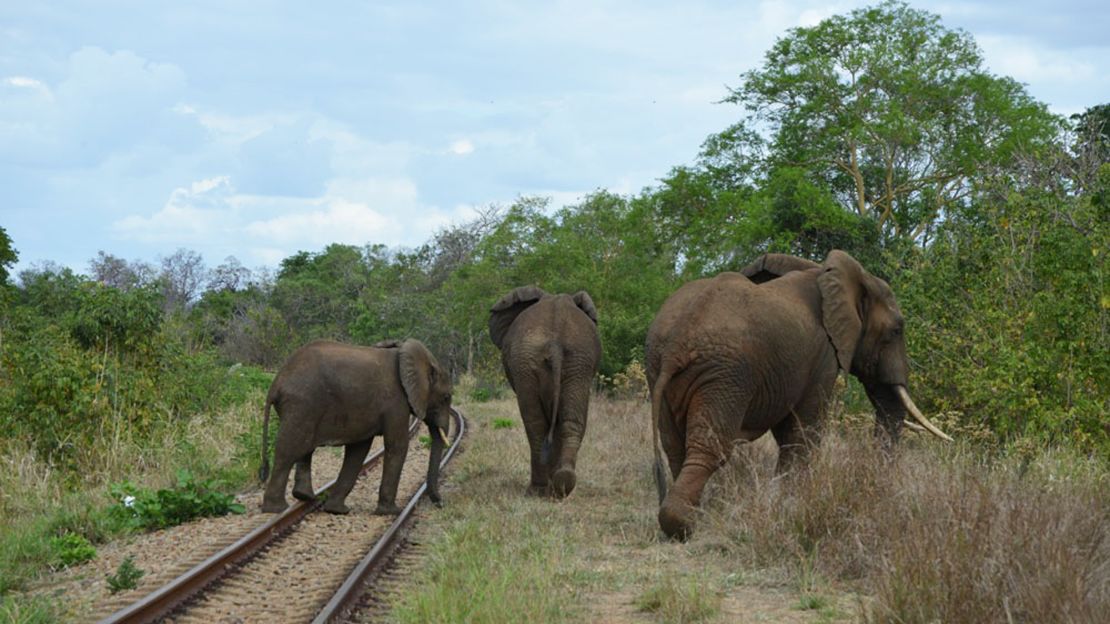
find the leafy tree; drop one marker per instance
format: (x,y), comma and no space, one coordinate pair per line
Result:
(891,112)
(8,256)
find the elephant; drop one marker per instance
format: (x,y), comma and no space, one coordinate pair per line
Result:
(330,394)
(732,356)
(550,350)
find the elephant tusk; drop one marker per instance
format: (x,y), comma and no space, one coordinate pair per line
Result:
(912,426)
(443,434)
(918,416)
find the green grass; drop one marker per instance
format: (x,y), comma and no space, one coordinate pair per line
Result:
(16,609)
(503,423)
(483,570)
(683,599)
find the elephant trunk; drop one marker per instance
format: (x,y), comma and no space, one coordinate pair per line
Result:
(435,456)
(918,416)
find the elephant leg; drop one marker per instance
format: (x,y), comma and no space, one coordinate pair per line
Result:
(396,448)
(573,407)
(289,447)
(535,427)
(705,453)
(302,479)
(353,456)
(800,432)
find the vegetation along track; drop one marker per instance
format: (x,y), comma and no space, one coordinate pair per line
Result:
(297,566)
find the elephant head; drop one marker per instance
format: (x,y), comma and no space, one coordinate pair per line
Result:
(505,311)
(428,391)
(865,326)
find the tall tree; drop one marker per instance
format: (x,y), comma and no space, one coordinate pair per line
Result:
(891,111)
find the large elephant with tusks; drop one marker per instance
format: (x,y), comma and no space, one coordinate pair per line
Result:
(739,354)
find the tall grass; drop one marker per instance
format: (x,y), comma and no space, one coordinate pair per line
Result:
(38,502)
(933,533)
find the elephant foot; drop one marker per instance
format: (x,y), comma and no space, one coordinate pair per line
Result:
(274,506)
(387,509)
(562,482)
(336,507)
(303,496)
(676,520)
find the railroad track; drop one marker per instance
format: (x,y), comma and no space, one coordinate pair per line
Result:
(297,566)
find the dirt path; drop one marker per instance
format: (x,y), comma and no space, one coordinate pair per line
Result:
(596,556)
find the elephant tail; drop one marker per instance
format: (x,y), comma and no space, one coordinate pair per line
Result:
(658,408)
(264,470)
(555,360)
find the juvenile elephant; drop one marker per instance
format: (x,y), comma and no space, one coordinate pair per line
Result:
(331,394)
(550,350)
(733,356)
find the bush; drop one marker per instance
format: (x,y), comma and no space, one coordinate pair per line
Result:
(1006,320)
(72,549)
(126,577)
(170,507)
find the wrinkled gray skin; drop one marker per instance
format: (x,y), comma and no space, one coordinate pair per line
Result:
(736,355)
(550,350)
(331,394)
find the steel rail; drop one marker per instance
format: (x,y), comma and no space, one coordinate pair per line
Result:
(344,598)
(169,596)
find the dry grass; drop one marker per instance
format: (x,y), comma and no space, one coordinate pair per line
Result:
(933,534)
(497,555)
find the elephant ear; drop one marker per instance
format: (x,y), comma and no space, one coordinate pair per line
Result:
(774,265)
(584,303)
(418,371)
(505,311)
(841,285)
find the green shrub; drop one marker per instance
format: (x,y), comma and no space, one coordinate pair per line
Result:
(169,507)
(503,423)
(126,577)
(72,549)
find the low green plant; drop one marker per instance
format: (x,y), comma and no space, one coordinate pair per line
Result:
(812,602)
(425,441)
(680,600)
(503,423)
(126,577)
(191,498)
(72,549)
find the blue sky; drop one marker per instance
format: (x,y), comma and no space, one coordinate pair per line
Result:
(257,129)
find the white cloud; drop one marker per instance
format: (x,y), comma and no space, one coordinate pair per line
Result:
(462,147)
(212,216)
(192,215)
(1029,63)
(23,82)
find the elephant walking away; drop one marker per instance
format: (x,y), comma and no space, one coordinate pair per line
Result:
(734,356)
(331,394)
(550,349)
